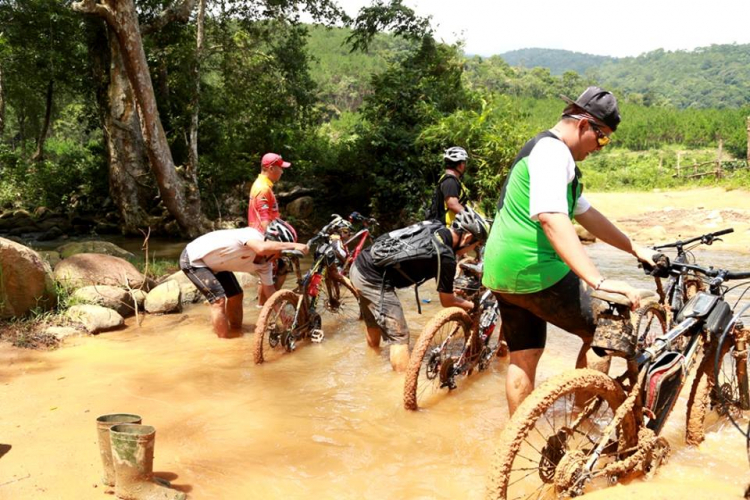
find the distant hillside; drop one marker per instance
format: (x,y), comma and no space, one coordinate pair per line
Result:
(557,61)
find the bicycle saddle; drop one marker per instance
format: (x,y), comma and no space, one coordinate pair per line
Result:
(618,298)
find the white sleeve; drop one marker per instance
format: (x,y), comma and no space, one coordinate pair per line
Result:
(551,168)
(265,273)
(581,206)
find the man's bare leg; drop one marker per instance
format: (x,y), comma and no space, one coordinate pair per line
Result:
(219,318)
(373,337)
(399,356)
(521,375)
(234,312)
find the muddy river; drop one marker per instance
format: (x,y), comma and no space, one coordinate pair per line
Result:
(324,422)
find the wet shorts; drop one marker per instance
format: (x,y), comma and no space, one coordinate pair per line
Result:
(385,314)
(566,304)
(212,286)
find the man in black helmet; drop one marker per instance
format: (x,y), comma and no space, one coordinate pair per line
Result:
(450,195)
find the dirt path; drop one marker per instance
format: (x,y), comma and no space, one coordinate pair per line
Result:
(657,217)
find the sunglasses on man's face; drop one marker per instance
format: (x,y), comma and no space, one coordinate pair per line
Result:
(601,138)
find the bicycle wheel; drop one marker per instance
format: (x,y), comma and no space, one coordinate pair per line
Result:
(649,322)
(274,326)
(549,439)
(338,298)
(440,349)
(726,392)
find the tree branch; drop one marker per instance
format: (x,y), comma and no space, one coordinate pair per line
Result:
(178,11)
(96,9)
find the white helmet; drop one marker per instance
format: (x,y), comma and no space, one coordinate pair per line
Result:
(456,154)
(472,222)
(279,230)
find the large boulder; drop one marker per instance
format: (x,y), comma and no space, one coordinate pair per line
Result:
(301,208)
(86,269)
(111,297)
(102,247)
(25,281)
(584,235)
(189,294)
(163,299)
(95,318)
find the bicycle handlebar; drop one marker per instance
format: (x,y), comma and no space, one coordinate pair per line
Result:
(292,253)
(723,274)
(706,239)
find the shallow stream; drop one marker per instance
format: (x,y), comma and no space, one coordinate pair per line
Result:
(324,422)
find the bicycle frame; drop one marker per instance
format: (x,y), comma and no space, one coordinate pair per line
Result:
(694,328)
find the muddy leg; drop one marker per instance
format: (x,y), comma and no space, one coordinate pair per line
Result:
(373,337)
(519,381)
(234,311)
(219,318)
(399,355)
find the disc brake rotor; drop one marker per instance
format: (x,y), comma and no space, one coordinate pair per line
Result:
(569,471)
(433,364)
(552,453)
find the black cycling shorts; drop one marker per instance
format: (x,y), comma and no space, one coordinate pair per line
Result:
(566,304)
(213,286)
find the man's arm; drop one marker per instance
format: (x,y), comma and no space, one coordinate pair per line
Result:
(560,232)
(265,248)
(451,300)
(453,205)
(601,227)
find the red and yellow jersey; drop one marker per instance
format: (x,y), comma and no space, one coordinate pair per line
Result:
(263,207)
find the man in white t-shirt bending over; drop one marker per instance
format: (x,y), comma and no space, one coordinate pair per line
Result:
(211,260)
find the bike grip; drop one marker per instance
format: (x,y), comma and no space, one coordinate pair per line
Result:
(723,231)
(292,253)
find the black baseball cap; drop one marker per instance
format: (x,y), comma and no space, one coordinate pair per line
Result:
(598,103)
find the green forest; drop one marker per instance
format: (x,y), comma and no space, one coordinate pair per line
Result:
(167,133)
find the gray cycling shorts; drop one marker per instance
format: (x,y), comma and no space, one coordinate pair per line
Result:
(385,314)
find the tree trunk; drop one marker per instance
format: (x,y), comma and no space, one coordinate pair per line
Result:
(39,153)
(130,182)
(2,104)
(181,198)
(192,166)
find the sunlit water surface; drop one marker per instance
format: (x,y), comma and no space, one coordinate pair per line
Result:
(324,422)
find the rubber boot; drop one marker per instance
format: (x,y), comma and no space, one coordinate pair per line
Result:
(103,424)
(133,458)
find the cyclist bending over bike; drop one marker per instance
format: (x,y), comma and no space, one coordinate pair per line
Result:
(406,257)
(211,260)
(534,261)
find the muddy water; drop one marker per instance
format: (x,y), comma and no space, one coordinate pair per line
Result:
(324,422)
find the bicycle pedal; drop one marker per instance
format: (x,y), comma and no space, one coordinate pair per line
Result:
(317,336)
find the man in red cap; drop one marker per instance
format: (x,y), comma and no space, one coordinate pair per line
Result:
(263,207)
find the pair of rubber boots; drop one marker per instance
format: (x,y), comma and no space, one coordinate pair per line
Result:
(127,451)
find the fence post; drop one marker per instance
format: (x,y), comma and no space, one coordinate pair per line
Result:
(718,160)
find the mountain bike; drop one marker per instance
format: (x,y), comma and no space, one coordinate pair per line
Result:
(354,244)
(655,319)
(291,316)
(584,428)
(454,342)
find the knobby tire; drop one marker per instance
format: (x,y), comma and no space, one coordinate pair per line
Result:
(268,314)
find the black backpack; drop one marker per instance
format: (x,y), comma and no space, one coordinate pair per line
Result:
(417,241)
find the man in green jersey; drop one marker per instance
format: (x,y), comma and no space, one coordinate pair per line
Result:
(534,261)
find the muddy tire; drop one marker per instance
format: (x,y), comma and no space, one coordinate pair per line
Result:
(702,399)
(649,322)
(273,318)
(533,433)
(450,328)
(338,297)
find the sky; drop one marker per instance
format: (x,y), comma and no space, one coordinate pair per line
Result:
(618,28)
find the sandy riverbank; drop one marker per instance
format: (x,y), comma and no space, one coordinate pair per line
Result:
(660,217)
